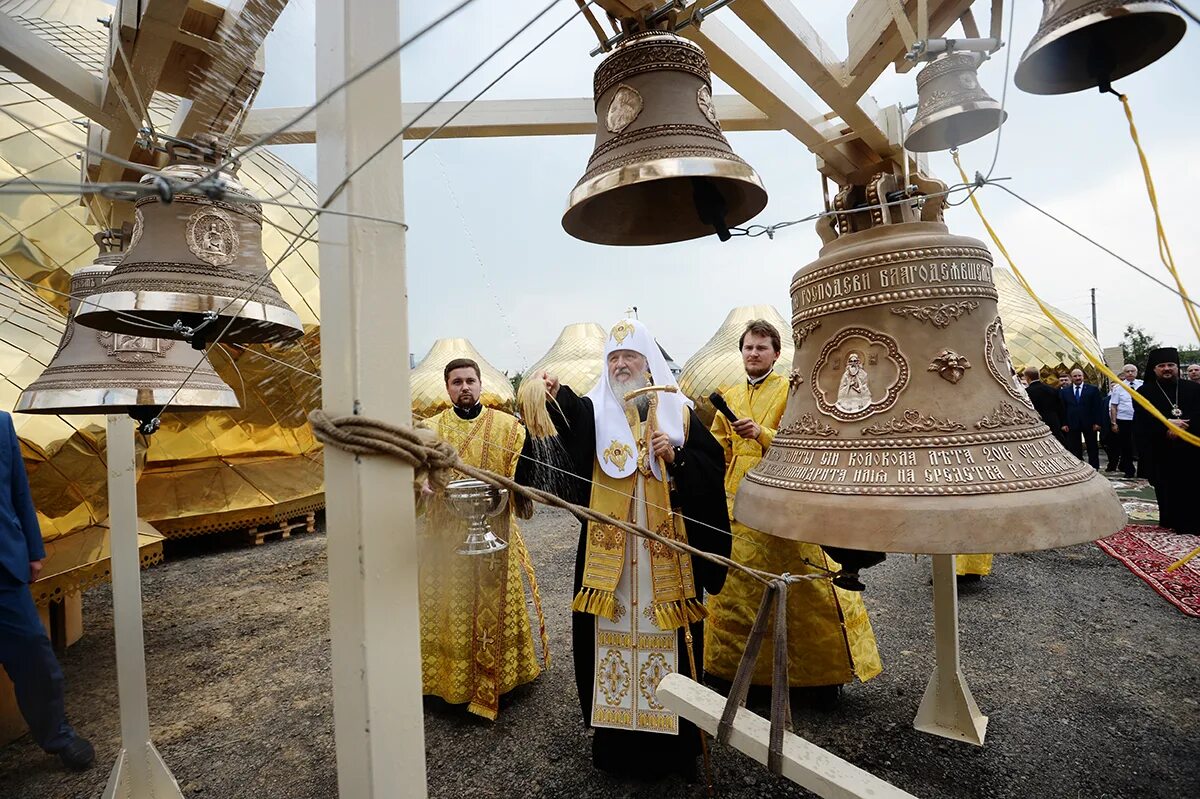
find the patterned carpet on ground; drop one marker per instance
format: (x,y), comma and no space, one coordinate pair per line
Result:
(1147,549)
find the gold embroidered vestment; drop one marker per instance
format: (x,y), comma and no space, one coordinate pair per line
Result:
(476,639)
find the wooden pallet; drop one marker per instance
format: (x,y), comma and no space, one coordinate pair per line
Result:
(257,535)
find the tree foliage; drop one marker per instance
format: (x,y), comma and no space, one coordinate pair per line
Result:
(1136,344)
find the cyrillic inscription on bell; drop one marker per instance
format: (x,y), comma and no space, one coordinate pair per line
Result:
(192,258)
(906,430)
(661,170)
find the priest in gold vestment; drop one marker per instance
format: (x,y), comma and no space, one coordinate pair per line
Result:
(646,460)
(830,640)
(476,639)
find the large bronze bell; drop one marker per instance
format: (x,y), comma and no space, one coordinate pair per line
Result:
(952,107)
(193,258)
(906,429)
(102,372)
(661,170)
(1083,44)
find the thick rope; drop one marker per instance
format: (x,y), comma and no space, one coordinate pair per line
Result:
(432,459)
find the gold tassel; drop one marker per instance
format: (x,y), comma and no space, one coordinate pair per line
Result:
(580,604)
(595,602)
(532,399)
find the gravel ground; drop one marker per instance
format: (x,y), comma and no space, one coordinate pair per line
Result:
(1090,680)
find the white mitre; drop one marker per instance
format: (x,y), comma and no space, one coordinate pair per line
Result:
(615,448)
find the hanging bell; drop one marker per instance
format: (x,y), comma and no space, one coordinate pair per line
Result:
(1083,44)
(194,264)
(661,170)
(952,107)
(103,372)
(905,428)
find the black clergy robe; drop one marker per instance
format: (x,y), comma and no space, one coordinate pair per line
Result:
(698,494)
(1170,464)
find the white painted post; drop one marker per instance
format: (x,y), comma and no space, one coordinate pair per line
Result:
(374,615)
(139,772)
(948,709)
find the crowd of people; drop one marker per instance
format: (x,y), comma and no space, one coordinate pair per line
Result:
(632,448)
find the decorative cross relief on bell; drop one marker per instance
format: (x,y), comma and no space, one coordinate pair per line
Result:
(1084,44)
(952,107)
(909,433)
(195,262)
(661,170)
(105,372)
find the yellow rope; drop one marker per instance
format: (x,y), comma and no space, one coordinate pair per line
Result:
(1099,364)
(1183,560)
(1164,248)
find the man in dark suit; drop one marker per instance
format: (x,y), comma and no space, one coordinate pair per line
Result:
(25,651)
(1085,416)
(1046,402)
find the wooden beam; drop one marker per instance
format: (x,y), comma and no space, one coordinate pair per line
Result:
(147,56)
(45,66)
(788,33)
(804,763)
(574,116)
(874,41)
(238,67)
(743,69)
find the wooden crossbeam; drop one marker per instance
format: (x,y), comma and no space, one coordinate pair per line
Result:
(785,30)
(220,88)
(804,763)
(746,71)
(875,42)
(549,117)
(45,66)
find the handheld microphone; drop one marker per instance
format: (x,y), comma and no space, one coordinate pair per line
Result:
(721,405)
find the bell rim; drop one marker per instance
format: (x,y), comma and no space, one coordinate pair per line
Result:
(922,125)
(1020,514)
(103,311)
(663,169)
(1032,79)
(84,401)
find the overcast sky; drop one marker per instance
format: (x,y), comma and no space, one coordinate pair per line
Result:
(1071,154)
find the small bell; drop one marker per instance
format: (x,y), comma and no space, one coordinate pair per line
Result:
(194,263)
(661,170)
(102,372)
(1083,44)
(953,108)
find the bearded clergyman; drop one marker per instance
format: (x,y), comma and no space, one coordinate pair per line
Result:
(476,641)
(1171,464)
(638,454)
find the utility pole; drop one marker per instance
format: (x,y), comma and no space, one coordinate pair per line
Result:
(1094,333)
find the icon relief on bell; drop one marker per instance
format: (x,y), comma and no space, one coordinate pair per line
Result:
(999,362)
(858,373)
(212,237)
(624,108)
(704,99)
(133,349)
(949,365)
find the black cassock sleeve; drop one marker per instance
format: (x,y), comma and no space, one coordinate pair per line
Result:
(699,494)
(546,466)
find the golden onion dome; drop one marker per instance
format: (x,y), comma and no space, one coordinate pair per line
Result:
(576,358)
(718,364)
(202,472)
(428,380)
(1033,340)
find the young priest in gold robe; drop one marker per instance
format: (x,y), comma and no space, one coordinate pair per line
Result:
(476,640)
(646,460)
(830,640)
